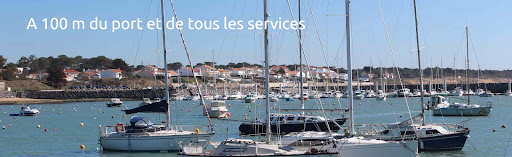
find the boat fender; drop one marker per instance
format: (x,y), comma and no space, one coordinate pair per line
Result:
(197,131)
(120,125)
(313,150)
(228,114)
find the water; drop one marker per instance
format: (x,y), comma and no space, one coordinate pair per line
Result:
(23,138)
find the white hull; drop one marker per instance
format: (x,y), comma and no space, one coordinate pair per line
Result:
(217,113)
(143,142)
(481,111)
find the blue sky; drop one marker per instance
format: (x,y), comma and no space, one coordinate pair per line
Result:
(442,25)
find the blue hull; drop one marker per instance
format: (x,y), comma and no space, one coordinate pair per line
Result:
(454,141)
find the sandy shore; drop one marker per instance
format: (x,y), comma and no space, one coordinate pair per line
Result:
(10,101)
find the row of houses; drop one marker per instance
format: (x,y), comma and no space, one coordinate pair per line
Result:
(72,75)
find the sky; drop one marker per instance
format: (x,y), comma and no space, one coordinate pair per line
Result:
(441,32)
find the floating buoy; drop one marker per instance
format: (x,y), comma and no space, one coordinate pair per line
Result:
(54,130)
(81,124)
(13,118)
(227,114)
(124,115)
(400,115)
(245,115)
(503,126)
(112,116)
(9,125)
(3,127)
(46,130)
(103,112)
(93,117)
(75,110)
(60,112)
(250,110)
(182,109)
(38,126)
(493,130)
(164,121)
(100,109)
(82,146)
(229,105)
(188,110)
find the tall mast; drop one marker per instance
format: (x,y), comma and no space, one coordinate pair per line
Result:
(168,117)
(301,85)
(467,63)
(214,75)
(349,68)
(419,64)
(267,100)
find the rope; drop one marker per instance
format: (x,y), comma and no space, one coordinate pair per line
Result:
(192,68)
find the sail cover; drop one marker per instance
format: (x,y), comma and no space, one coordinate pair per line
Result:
(416,119)
(156,107)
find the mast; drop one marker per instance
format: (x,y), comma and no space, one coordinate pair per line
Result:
(214,75)
(267,100)
(419,64)
(168,117)
(301,85)
(467,63)
(349,69)
(508,84)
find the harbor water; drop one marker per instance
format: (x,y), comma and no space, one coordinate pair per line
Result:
(64,135)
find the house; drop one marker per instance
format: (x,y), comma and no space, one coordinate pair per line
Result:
(42,75)
(69,77)
(343,76)
(276,68)
(71,72)
(224,73)
(33,76)
(88,75)
(187,72)
(237,72)
(112,73)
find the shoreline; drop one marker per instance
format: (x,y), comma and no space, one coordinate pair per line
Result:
(23,101)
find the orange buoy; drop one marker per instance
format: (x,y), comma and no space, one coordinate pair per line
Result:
(82,147)
(227,114)
(9,125)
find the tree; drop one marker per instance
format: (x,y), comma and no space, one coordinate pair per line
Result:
(56,76)
(10,73)
(119,63)
(281,71)
(2,61)
(23,62)
(174,66)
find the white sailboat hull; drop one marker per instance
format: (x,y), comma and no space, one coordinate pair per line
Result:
(480,111)
(144,142)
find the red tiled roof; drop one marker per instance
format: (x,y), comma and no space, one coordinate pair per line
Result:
(115,70)
(70,71)
(90,74)
(237,69)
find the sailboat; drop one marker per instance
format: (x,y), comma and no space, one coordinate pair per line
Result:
(286,123)
(142,135)
(431,136)
(350,144)
(246,147)
(442,107)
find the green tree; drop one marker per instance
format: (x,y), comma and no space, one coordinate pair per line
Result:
(2,61)
(10,73)
(174,66)
(281,71)
(119,63)
(56,76)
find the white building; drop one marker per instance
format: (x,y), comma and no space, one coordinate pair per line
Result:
(187,72)
(237,72)
(112,73)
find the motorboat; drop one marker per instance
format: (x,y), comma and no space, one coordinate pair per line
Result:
(358,95)
(274,99)
(218,109)
(479,91)
(114,102)
(287,123)
(404,92)
(145,101)
(27,111)
(442,107)
(370,94)
(487,94)
(236,96)
(250,98)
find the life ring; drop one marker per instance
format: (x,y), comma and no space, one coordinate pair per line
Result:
(313,150)
(120,125)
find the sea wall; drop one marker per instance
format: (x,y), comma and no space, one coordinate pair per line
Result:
(94,94)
